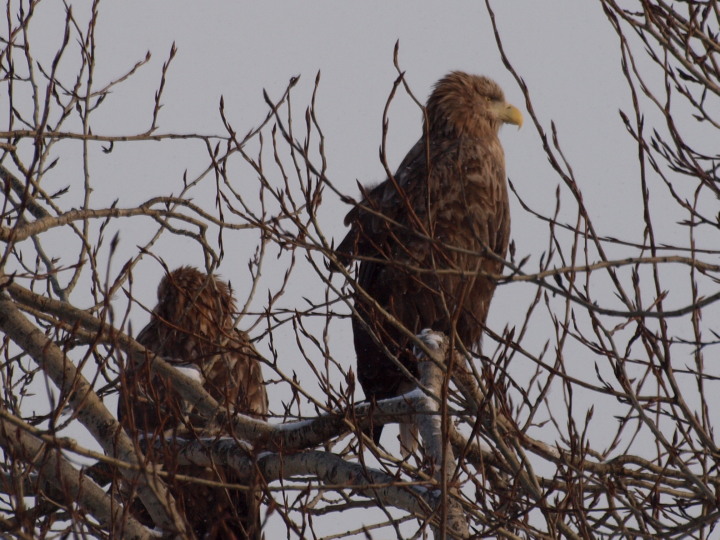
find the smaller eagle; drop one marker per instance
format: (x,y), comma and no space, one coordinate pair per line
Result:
(429,237)
(192,327)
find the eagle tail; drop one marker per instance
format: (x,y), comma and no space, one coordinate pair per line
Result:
(408,439)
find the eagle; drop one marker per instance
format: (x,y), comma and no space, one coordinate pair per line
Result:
(429,238)
(193,328)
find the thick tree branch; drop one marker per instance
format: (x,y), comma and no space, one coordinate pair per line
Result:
(89,409)
(55,471)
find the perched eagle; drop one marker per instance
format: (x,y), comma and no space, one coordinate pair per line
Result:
(192,327)
(427,237)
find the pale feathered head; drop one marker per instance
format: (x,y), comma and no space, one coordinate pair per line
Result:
(191,300)
(469,105)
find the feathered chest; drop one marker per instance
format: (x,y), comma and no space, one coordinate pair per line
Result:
(464,201)
(449,192)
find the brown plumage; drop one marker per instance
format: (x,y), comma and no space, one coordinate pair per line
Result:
(192,328)
(422,235)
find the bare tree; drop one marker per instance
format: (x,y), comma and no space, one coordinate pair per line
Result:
(510,443)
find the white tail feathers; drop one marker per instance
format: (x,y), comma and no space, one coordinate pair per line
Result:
(408,439)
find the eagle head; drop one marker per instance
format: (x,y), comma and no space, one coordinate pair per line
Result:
(468,105)
(191,299)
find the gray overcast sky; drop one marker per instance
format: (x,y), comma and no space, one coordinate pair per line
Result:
(566,51)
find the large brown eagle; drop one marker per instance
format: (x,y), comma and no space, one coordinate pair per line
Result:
(428,237)
(192,327)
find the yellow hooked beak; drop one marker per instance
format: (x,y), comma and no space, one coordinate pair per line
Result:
(506,113)
(509,114)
